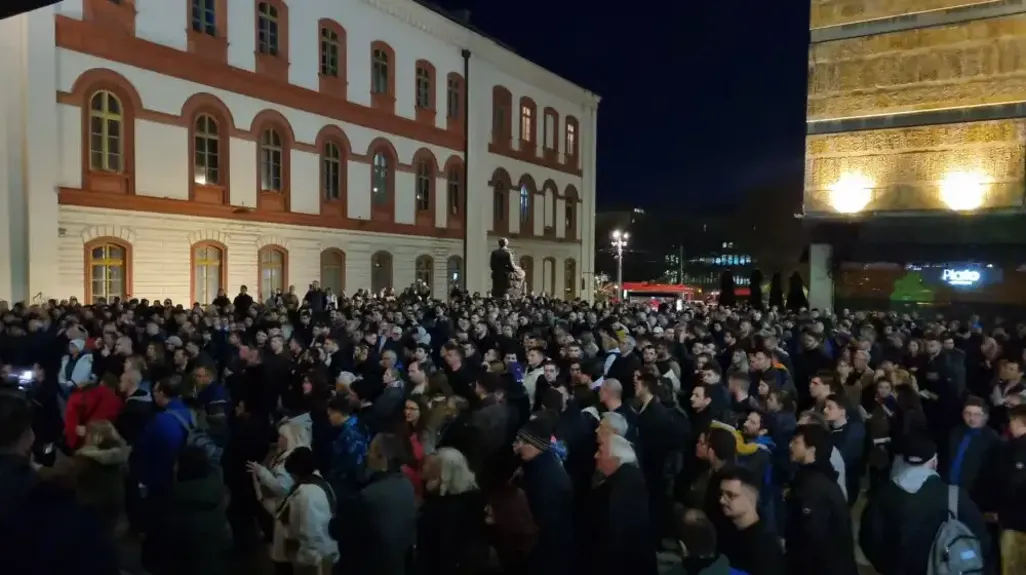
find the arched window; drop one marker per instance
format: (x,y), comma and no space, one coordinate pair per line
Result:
(425,175)
(208,271)
(549,276)
(525,209)
(527,264)
(330,50)
(381,271)
(272,266)
(207,151)
(379,72)
(425,271)
(500,205)
(455,191)
(107,269)
(380,180)
(331,163)
(454,273)
(106,133)
(570,213)
(333,270)
(271,156)
(570,279)
(267,29)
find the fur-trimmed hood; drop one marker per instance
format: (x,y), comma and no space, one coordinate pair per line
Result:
(116,455)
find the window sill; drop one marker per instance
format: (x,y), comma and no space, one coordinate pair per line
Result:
(275,67)
(109,183)
(116,16)
(528,147)
(333,85)
(454,124)
(333,207)
(425,116)
(211,47)
(385,213)
(454,221)
(425,218)
(207,194)
(384,102)
(271,201)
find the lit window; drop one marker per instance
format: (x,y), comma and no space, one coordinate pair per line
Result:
(272,272)
(107,267)
(205,139)
(526,123)
(525,204)
(106,141)
(331,160)
(271,154)
(571,140)
(423,191)
(207,273)
(379,183)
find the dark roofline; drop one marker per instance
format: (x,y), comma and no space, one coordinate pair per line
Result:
(463,19)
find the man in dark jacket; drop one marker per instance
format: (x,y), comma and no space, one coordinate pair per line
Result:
(44,529)
(550,496)
(623,539)
(901,519)
(1006,495)
(818,524)
(970,445)
(653,442)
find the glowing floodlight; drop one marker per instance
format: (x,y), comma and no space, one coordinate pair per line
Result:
(851,194)
(964,191)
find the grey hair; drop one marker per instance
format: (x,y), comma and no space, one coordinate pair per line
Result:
(617,422)
(456,476)
(613,386)
(622,450)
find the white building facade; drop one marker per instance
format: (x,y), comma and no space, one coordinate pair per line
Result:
(168,149)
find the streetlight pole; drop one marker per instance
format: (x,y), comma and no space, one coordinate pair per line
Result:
(619,243)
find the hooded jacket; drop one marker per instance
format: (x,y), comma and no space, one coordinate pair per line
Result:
(899,524)
(818,523)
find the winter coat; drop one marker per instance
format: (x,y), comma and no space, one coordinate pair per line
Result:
(92,402)
(302,523)
(201,539)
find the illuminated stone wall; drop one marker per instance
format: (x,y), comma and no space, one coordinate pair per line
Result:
(906,165)
(837,12)
(974,63)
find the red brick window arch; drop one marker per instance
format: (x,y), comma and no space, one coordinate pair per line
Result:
(502,113)
(526,191)
(274,151)
(528,114)
(550,133)
(501,186)
(333,270)
(333,148)
(455,193)
(273,268)
(384,161)
(571,141)
(383,66)
(333,79)
(210,131)
(425,177)
(272,39)
(424,92)
(571,206)
(209,271)
(109,104)
(108,269)
(207,32)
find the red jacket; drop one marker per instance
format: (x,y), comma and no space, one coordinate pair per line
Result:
(86,404)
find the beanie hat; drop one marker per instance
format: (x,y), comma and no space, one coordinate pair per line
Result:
(537,432)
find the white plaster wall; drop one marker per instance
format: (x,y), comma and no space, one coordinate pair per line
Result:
(161,247)
(162,150)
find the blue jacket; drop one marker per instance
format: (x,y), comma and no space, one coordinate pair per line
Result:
(156,449)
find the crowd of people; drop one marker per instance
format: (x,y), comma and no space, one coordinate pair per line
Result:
(477,435)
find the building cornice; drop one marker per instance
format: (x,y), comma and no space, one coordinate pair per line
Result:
(480,46)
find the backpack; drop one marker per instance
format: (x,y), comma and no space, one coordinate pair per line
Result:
(955,549)
(199,438)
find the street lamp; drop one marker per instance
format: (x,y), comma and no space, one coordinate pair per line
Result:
(619,243)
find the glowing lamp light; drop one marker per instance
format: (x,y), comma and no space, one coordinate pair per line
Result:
(851,194)
(964,191)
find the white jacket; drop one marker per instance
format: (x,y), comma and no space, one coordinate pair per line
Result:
(81,374)
(309,513)
(271,481)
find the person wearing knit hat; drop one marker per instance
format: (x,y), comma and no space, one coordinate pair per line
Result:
(536,434)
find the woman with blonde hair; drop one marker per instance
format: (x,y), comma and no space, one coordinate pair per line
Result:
(272,481)
(451,527)
(97,471)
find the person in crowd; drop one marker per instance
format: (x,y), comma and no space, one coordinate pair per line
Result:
(550,495)
(305,515)
(902,518)
(199,539)
(387,515)
(565,382)
(696,552)
(46,529)
(818,525)
(749,544)
(451,526)
(622,537)
(1005,499)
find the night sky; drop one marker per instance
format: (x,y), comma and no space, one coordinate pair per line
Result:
(702,101)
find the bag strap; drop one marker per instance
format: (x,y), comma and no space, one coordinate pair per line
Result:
(953,501)
(178,416)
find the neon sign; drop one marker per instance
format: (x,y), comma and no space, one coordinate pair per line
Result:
(960,277)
